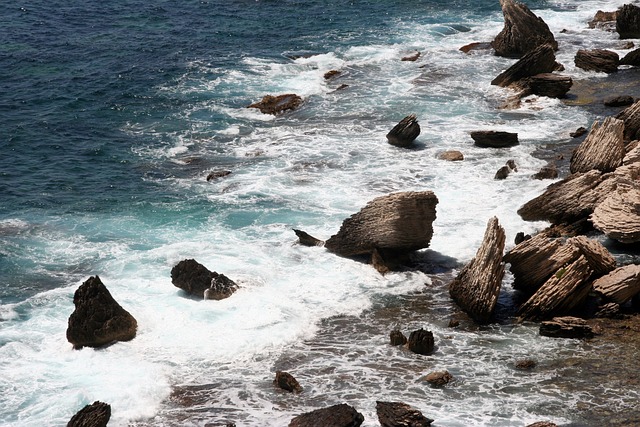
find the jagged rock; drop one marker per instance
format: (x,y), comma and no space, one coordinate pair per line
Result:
(411,58)
(438,378)
(543,424)
(98,319)
(494,139)
(217,174)
(341,415)
(421,342)
(475,46)
(600,60)
(404,133)
(286,381)
(221,287)
(477,286)
(521,237)
(451,156)
(331,74)
(546,84)
(397,414)
(398,222)
(549,171)
(397,338)
(603,149)
(631,118)
(95,415)
(618,216)
(196,279)
(609,311)
(525,364)
(578,132)
(566,327)
(565,290)
(620,285)
(523,31)
(619,101)
(628,21)
(599,258)
(604,20)
(271,104)
(632,58)
(538,61)
(306,239)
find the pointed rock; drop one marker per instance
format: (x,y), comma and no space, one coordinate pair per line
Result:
(95,415)
(306,239)
(397,414)
(523,31)
(286,381)
(620,285)
(603,149)
(540,60)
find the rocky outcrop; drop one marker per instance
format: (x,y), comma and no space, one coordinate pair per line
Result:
(451,156)
(620,285)
(286,381)
(628,21)
(566,327)
(604,20)
(306,239)
(95,415)
(397,338)
(547,84)
(271,104)
(618,216)
(477,286)
(494,139)
(523,31)
(631,118)
(600,60)
(632,58)
(397,414)
(196,279)
(404,133)
(98,319)
(341,415)
(421,342)
(603,149)
(438,378)
(540,60)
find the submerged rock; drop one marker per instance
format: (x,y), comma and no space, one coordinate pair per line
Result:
(439,378)
(95,415)
(341,415)
(397,414)
(523,31)
(271,104)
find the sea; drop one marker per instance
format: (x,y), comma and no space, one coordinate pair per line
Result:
(113,114)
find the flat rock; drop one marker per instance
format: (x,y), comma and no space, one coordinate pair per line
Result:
(494,139)
(397,414)
(341,415)
(603,149)
(620,285)
(547,84)
(523,31)
(600,60)
(566,327)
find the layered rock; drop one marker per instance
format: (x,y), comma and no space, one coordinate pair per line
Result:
(271,104)
(523,31)
(604,20)
(603,149)
(540,60)
(628,21)
(619,101)
(95,415)
(494,139)
(620,285)
(196,279)
(438,378)
(405,132)
(477,286)
(566,327)
(396,414)
(341,415)
(547,84)
(600,60)
(618,216)
(631,118)
(632,58)
(421,342)
(98,319)
(286,381)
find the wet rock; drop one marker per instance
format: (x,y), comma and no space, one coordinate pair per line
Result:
(413,57)
(604,20)
(439,378)
(404,133)
(578,132)
(609,311)
(341,415)
(397,414)
(421,342)
(451,156)
(271,104)
(618,216)
(98,319)
(306,239)
(631,118)
(632,58)
(620,285)
(628,21)
(502,173)
(525,364)
(523,31)
(600,60)
(221,287)
(477,286)
(475,46)
(494,139)
(397,338)
(95,415)
(619,101)
(331,74)
(546,84)
(217,174)
(566,327)
(196,279)
(286,381)
(538,61)
(547,172)
(603,149)
(521,237)
(543,424)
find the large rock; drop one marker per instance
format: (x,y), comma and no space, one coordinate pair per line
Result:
(196,279)
(523,31)
(540,60)
(620,285)
(603,149)
(477,286)
(618,216)
(404,133)
(95,415)
(631,118)
(600,60)
(631,58)
(397,414)
(341,415)
(98,319)
(271,104)
(566,327)
(400,222)
(421,342)
(628,22)
(547,84)
(604,20)
(494,138)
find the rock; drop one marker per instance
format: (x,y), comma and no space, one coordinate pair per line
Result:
(525,364)
(628,45)
(404,133)
(620,285)
(421,342)
(521,237)
(221,287)
(494,139)
(271,104)
(502,173)
(632,58)
(413,57)
(599,258)
(631,118)
(217,174)
(398,222)
(600,60)
(566,327)
(439,378)
(618,216)
(547,84)
(95,415)
(341,415)
(619,101)
(196,279)
(565,290)
(603,149)
(578,132)
(538,61)
(549,171)
(523,31)
(331,74)
(477,286)
(609,311)
(397,338)
(604,20)
(451,156)
(396,414)
(98,319)
(543,424)
(286,381)
(306,239)
(628,21)
(475,46)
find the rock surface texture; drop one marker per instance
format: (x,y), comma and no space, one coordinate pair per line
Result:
(618,216)
(341,415)
(540,60)
(404,133)
(397,414)
(95,415)
(620,285)
(566,327)
(603,149)
(628,21)
(601,60)
(271,104)
(523,31)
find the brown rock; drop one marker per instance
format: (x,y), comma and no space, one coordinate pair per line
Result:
(396,414)
(604,20)
(549,171)
(221,287)
(632,58)
(603,149)
(341,415)
(619,101)
(631,118)
(566,327)
(628,21)
(543,424)
(477,286)
(413,57)
(306,239)
(421,342)
(525,364)
(547,84)
(451,156)
(494,139)
(620,285)
(475,46)
(286,381)
(95,415)
(600,60)
(439,378)
(599,258)
(397,338)
(404,133)
(538,61)
(618,216)
(271,104)
(523,31)
(331,74)
(578,132)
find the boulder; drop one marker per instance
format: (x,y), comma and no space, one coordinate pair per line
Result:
(98,319)
(306,239)
(421,342)
(196,279)
(494,139)
(631,118)
(628,21)
(604,20)
(438,378)
(603,149)
(341,415)
(566,327)
(271,104)
(523,31)
(549,171)
(451,156)
(286,381)
(620,285)
(397,414)
(600,60)
(477,286)
(632,58)
(538,61)
(397,338)
(619,101)
(618,216)
(404,133)
(547,84)
(95,415)
(398,222)
(502,173)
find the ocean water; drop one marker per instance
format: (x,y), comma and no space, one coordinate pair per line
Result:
(112,116)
